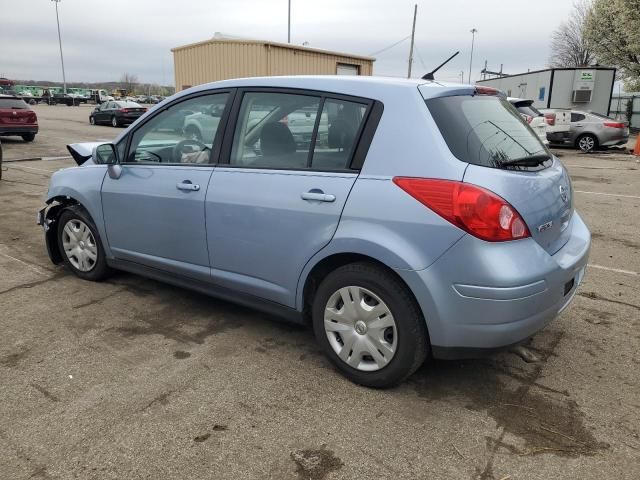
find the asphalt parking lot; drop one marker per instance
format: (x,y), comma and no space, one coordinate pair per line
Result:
(133,379)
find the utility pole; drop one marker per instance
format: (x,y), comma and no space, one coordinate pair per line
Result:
(289,24)
(64,79)
(473,40)
(413,34)
(462,76)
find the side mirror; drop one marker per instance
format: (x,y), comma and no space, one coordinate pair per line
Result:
(105,154)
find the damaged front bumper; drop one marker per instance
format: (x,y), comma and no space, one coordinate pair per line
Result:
(47,218)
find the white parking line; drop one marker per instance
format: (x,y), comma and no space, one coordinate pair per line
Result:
(19,167)
(616,270)
(608,194)
(597,168)
(28,265)
(48,159)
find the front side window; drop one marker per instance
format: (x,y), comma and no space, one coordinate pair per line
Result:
(484,130)
(274,130)
(183,133)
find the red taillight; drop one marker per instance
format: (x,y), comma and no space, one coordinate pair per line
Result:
(614,124)
(474,209)
(480,90)
(528,118)
(124,110)
(550,118)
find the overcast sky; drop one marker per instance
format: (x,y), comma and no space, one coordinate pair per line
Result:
(103,39)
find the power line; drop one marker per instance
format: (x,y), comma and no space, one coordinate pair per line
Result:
(378,52)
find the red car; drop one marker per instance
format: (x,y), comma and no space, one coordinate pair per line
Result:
(17,118)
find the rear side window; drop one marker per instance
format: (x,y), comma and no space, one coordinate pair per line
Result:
(577,117)
(16,103)
(484,130)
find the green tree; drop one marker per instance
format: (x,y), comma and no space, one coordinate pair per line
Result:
(569,48)
(612,29)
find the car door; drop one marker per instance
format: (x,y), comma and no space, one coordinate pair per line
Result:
(105,111)
(154,211)
(578,125)
(277,198)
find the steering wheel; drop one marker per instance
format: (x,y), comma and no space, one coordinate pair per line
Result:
(179,148)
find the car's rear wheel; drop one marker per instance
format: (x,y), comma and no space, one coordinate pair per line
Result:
(80,244)
(587,143)
(92,120)
(369,325)
(29,137)
(114,121)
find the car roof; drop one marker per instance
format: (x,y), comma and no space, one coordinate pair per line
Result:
(356,85)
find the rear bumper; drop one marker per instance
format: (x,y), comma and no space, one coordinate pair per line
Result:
(612,142)
(18,129)
(129,118)
(482,296)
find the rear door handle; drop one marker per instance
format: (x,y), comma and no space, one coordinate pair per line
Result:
(187,186)
(318,196)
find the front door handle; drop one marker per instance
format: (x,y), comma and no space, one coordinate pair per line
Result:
(187,186)
(318,196)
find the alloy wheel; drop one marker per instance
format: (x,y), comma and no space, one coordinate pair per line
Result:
(587,143)
(360,328)
(79,245)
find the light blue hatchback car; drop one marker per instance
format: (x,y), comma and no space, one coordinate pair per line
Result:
(417,219)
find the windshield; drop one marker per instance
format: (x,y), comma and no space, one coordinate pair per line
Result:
(485,130)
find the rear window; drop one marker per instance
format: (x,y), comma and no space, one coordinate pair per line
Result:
(13,103)
(484,130)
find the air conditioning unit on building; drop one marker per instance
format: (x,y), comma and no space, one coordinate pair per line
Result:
(582,96)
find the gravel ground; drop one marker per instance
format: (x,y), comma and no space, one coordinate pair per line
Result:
(131,378)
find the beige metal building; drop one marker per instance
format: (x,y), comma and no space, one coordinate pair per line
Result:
(219,59)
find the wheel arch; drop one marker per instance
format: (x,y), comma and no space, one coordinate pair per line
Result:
(323,266)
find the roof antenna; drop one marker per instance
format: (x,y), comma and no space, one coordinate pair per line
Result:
(430,75)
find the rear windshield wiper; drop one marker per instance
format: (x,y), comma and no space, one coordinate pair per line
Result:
(535,159)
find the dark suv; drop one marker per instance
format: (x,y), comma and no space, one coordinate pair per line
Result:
(17,118)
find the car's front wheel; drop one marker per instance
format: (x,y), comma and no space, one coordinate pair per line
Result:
(92,120)
(80,244)
(369,325)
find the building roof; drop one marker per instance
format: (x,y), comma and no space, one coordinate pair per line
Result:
(273,44)
(532,72)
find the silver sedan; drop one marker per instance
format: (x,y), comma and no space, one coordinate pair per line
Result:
(590,131)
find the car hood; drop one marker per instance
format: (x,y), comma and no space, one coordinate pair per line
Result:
(82,152)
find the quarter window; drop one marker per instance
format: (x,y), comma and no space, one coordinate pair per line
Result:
(184,133)
(577,117)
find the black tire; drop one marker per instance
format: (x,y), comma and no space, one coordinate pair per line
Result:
(92,120)
(413,339)
(29,137)
(587,143)
(100,269)
(115,122)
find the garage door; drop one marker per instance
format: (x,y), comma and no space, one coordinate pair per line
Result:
(346,69)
